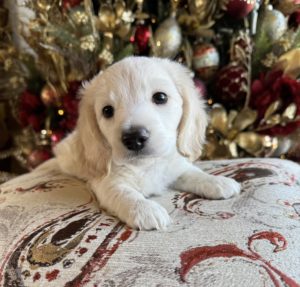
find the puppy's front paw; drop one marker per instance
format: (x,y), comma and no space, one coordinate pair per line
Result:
(148,215)
(220,187)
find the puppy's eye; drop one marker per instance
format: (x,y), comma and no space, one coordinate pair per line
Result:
(108,112)
(159,98)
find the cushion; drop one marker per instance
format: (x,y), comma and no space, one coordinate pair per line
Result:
(52,233)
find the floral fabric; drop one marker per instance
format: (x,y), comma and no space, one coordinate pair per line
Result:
(52,233)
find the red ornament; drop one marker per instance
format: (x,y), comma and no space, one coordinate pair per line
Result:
(67,4)
(239,8)
(231,85)
(206,61)
(141,39)
(37,157)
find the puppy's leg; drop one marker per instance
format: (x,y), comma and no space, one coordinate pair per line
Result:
(194,180)
(130,206)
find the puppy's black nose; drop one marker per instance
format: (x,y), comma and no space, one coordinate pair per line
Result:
(135,138)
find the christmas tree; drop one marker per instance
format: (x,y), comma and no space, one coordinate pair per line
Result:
(244,56)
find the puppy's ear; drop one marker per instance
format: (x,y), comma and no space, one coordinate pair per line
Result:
(192,127)
(85,153)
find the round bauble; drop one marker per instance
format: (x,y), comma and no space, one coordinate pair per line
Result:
(206,61)
(49,96)
(167,39)
(141,38)
(239,8)
(231,85)
(67,4)
(272,23)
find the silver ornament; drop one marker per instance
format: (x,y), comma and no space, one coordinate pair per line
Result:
(167,39)
(273,23)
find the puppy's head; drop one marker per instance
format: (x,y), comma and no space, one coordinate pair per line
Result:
(139,108)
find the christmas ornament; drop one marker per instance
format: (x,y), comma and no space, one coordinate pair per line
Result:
(231,85)
(167,38)
(200,16)
(37,157)
(114,18)
(205,61)
(239,8)
(141,38)
(49,96)
(272,23)
(67,4)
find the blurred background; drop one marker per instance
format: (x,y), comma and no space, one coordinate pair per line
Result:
(244,56)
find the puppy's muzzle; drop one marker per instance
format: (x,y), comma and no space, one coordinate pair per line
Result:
(135,138)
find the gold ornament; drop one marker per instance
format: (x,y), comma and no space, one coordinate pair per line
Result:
(167,38)
(114,18)
(200,16)
(49,95)
(205,61)
(229,133)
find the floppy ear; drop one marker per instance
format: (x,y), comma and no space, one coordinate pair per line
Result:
(192,127)
(85,153)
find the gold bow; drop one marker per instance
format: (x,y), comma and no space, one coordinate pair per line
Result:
(114,18)
(227,135)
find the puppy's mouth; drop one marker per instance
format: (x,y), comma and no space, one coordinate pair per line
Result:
(139,154)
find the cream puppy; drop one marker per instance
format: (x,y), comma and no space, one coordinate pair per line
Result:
(141,125)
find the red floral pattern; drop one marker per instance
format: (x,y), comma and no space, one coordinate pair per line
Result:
(53,234)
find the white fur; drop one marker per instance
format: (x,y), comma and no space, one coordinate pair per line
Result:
(121,179)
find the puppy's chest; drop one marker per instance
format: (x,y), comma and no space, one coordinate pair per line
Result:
(153,181)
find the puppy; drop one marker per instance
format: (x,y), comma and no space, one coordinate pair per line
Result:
(141,125)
